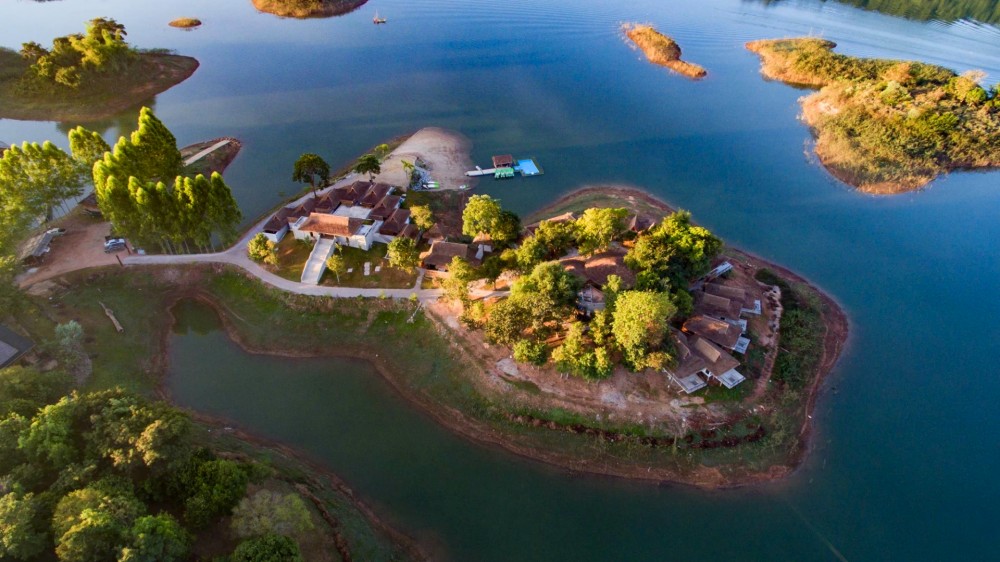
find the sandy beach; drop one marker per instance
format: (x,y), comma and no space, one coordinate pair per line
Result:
(444,152)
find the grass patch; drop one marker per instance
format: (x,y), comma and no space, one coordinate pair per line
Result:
(388,277)
(105,95)
(292,257)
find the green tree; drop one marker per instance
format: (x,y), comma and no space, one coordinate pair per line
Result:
(368,164)
(640,322)
(24,389)
(456,285)
(34,179)
(215,489)
(92,524)
(312,169)
(267,548)
(402,253)
(12,424)
(336,264)
(507,320)
(87,147)
(507,229)
(482,215)
(578,358)
(557,237)
(674,251)
(381,151)
(597,228)
(268,512)
(23,529)
(529,351)
(422,216)
(262,250)
(612,287)
(69,339)
(550,290)
(156,538)
(530,253)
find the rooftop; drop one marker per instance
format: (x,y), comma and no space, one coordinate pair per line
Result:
(12,346)
(331,225)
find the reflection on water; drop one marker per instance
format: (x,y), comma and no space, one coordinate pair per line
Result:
(986,11)
(118,125)
(308,8)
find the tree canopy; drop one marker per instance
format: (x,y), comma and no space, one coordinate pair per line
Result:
(368,164)
(402,253)
(598,227)
(73,59)
(674,252)
(140,190)
(312,169)
(640,323)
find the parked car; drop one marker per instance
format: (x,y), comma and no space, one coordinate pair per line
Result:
(113,245)
(56,231)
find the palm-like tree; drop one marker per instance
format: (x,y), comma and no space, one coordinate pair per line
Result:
(311,169)
(368,164)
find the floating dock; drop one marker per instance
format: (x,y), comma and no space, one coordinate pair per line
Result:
(506,167)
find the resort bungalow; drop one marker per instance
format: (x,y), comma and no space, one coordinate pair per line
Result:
(12,347)
(374,195)
(327,203)
(594,272)
(439,257)
(344,231)
(351,194)
(699,362)
(278,225)
(719,332)
(639,224)
(435,233)
(398,224)
(386,207)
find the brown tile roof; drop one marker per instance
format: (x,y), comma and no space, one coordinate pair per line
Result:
(278,221)
(725,291)
(695,353)
(717,331)
(386,207)
(611,262)
(441,254)
(435,232)
(328,203)
(503,161)
(352,194)
(639,224)
(396,222)
(717,306)
(331,225)
(375,194)
(301,210)
(410,231)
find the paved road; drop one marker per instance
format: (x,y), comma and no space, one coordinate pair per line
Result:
(237,256)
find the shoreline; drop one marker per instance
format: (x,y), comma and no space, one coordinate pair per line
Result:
(661,50)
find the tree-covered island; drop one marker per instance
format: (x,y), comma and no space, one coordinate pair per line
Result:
(887,126)
(85,76)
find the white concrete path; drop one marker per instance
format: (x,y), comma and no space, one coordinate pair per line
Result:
(205,152)
(316,264)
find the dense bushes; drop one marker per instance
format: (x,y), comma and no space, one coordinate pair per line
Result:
(801,334)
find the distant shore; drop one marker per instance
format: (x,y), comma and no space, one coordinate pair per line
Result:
(304,9)
(153,73)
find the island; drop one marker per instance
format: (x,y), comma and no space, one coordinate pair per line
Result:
(85,77)
(886,126)
(185,23)
(661,49)
(302,9)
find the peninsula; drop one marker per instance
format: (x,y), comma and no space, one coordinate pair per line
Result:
(303,9)
(63,83)
(661,49)
(886,126)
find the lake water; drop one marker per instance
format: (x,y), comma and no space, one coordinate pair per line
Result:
(906,452)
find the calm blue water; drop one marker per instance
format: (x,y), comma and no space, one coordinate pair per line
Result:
(906,454)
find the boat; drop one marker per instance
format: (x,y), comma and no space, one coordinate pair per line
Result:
(377,20)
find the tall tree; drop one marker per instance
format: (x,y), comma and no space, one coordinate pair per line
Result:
(335,263)
(597,228)
(422,216)
(640,323)
(368,164)
(156,538)
(481,216)
(402,253)
(270,512)
(35,178)
(261,250)
(87,147)
(312,169)
(23,527)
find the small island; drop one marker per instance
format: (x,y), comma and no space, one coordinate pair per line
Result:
(661,49)
(85,77)
(185,23)
(887,126)
(303,9)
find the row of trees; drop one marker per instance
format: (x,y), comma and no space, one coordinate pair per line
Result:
(140,189)
(110,476)
(74,59)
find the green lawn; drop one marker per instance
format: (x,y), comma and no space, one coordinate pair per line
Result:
(388,277)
